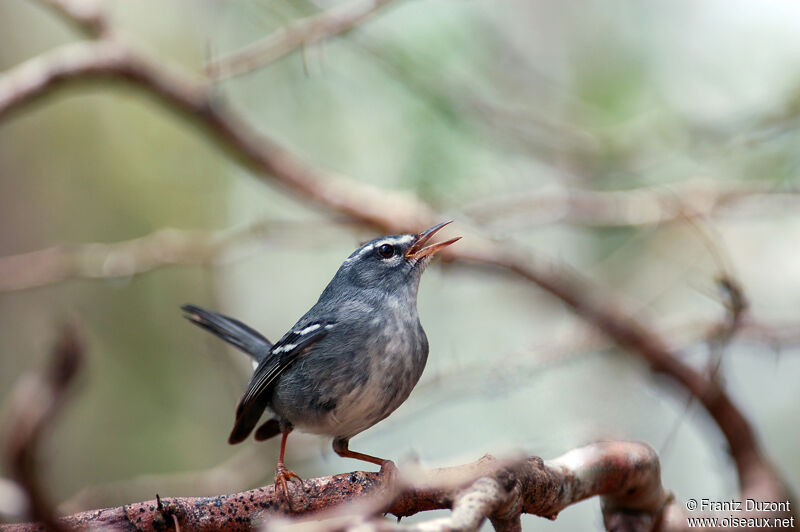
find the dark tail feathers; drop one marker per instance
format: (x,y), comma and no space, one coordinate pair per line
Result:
(246,419)
(254,344)
(231,330)
(268,429)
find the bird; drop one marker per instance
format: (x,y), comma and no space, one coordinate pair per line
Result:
(348,362)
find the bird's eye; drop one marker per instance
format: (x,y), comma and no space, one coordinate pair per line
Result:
(386,250)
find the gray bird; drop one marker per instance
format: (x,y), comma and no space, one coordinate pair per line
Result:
(349,362)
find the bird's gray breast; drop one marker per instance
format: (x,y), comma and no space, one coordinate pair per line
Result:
(357,375)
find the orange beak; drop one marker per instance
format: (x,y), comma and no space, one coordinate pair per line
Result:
(417,251)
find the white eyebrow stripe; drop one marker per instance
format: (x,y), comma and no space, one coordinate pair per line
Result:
(310,328)
(400,240)
(364,250)
(390,240)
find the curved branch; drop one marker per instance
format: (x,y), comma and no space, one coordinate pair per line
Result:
(611,317)
(85,14)
(625,474)
(304,32)
(35,402)
(183,92)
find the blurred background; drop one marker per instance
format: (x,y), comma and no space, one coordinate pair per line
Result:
(651,147)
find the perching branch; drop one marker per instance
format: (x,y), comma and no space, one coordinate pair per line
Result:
(625,474)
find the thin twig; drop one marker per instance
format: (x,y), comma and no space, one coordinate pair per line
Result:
(85,14)
(180,91)
(127,258)
(635,207)
(303,32)
(119,259)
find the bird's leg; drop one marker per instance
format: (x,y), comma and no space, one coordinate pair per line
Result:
(282,474)
(341,447)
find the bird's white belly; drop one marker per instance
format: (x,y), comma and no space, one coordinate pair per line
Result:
(355,412)
(357,389)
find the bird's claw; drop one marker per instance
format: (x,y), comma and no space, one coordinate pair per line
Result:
(388,468)
(388,472)
(282,477)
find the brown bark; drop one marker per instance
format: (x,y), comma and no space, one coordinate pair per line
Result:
(625,474)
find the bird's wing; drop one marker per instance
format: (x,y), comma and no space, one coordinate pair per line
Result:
(293,345)
(231,330)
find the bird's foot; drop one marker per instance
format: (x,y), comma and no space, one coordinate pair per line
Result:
(388,472)
(388,468)
(282,478)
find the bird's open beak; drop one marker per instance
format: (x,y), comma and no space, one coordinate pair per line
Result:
(417,251)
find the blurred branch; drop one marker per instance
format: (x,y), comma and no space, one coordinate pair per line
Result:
(776,336)
(455,97)
(162,248)
(625,474)
(304,32)
(119,259)
(720,338)
(111,60)
(636,207)
(35,402)
(514,369)
(611,315)
(85,14)
(519,367)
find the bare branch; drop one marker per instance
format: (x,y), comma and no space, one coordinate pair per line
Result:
(35,402)
(180,91)
(625,474)
(757,477)
(164,247)
(635,207)
(85,14)
(304,32)
(118,259)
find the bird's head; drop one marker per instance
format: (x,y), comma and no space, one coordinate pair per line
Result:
(391,262)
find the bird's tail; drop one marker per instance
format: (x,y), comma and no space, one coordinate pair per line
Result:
(247,416)
(254,344)
(229,329)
